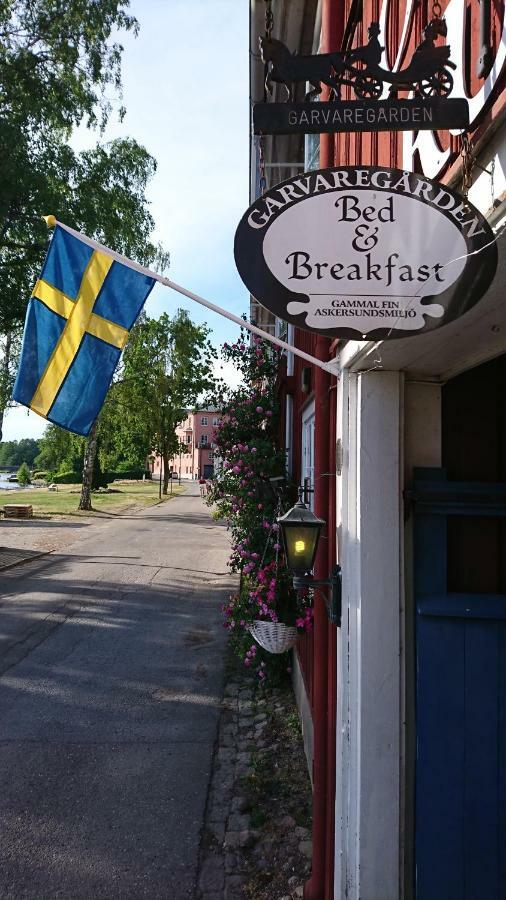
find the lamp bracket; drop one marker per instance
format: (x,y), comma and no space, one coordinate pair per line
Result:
(333,598)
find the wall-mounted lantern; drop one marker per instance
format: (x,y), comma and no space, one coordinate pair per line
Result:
(301,531)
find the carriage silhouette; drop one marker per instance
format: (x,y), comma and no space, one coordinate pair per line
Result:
(427,75)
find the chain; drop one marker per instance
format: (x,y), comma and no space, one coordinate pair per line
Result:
(467,163)
(261,165)
(436,10)
(269,18)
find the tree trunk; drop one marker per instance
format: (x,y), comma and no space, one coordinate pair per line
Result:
(165,457)
(5,379)
(89,459)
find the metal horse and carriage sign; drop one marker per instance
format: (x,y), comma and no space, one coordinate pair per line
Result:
(427,77)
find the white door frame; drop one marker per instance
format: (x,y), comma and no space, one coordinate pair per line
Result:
(367,859)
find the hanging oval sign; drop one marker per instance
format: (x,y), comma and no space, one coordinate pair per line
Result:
(365,252)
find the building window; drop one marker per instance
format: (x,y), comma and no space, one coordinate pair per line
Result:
(308,419)
(281,330)
(203,421)
(188,438)
(216,421)
(203,438)
(312,152)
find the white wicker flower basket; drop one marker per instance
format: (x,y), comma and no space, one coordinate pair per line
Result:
(274,636)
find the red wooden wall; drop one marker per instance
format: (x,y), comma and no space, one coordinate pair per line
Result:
(384,148)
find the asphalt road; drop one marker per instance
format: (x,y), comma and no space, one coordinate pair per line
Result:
(112,668)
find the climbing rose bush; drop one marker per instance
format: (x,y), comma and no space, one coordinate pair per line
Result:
(247,440)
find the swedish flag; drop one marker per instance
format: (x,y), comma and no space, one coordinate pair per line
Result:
(77,323)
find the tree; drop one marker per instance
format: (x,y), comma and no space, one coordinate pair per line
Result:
(101,192)
(60,451)
(23,475)
(57,60)
(167,367)
(13,453)
(57,64)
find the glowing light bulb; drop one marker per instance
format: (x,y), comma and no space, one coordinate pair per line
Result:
(300,546)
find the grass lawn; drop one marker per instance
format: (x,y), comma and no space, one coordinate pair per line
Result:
(63,502)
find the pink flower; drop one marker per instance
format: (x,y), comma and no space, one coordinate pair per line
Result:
(259,409)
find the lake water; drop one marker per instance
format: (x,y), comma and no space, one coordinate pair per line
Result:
(9,485)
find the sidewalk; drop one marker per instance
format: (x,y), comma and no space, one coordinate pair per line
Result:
(256,843)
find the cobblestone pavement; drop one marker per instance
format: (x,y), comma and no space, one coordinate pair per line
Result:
(256,843)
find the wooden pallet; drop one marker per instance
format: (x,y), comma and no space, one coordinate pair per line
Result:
(18,511)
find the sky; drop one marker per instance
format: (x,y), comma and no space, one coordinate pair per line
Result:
(185,89)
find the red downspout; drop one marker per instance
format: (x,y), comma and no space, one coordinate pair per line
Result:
(332,30)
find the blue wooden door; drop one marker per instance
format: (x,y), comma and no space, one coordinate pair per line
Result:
(460,790)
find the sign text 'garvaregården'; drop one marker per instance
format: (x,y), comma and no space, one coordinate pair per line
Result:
(365,251)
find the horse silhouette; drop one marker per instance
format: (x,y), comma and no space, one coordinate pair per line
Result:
(287,68)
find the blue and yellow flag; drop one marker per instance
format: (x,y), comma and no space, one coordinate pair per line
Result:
(77,323)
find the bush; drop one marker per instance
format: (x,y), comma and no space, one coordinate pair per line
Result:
(68,478)
(129,474)
(104,478)
(126,465)
(23,475)
(39,476)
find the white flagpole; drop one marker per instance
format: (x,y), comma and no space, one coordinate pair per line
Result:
(331,367)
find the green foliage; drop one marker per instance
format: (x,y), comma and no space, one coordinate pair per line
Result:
(100,192)
(40,476)
(68,478)
(57,60)
(23,475)
(60,451)
(13,453)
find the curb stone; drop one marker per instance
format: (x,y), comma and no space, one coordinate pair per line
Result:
(24,557)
